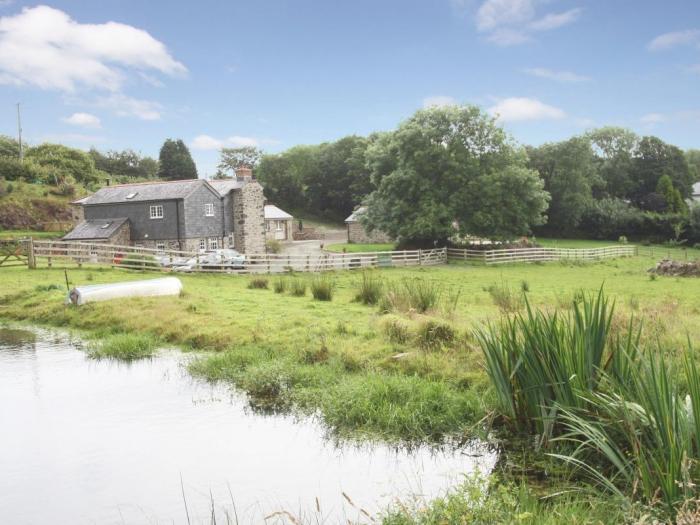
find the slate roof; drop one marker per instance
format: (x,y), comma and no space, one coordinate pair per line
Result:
(355,216)
(95,229)
(272,212)
(223,186)
(144,191)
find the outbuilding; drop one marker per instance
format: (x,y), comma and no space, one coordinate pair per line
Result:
(278,224)
(357,232)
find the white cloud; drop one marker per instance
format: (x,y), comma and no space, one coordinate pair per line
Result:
(653,118)
(555,20)
(85,120)
(516,109)
(439,101)
(675,38)
(512,22)
(125,106)
(207,142)
(44,47)
(558,76)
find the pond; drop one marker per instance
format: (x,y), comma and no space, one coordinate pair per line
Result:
(86,441)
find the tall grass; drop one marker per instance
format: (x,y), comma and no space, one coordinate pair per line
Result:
(127,347)
(615,412)
(297,286)
(417,294)
(370,288)
(322,286)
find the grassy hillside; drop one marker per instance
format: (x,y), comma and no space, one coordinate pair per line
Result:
(38,207)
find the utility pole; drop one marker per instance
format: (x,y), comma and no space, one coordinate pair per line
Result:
(19,134)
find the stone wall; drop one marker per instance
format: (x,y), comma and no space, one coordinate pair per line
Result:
(287,228)
(357,234)
(249,218)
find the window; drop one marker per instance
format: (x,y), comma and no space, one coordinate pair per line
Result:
(279,226)
(106,225)
(157,211)
(267,225)
(160,246)
(202,244)
(213,243)
(230,240)
(209,209)
(131,195)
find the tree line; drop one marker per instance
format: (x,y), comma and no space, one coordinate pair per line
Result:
(65,167)
(454,170)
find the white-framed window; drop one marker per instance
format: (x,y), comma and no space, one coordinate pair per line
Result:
(267,225)
(209,209)
(213,243)
(202,244)
(157,211)
(279,226)
(160,246)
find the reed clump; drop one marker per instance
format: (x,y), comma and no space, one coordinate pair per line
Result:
(322,286)
(124,346)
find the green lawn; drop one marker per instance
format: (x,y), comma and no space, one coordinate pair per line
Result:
(355,248)
(364,373)
(20,234)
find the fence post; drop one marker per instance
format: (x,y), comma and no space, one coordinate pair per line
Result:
(308,263)
(420,257)
(31,260)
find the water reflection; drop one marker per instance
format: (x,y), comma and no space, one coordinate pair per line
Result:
(87,441)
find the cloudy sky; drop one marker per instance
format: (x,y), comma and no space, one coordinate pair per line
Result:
(127,74)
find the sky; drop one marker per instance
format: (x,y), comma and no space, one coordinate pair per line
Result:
(118,74)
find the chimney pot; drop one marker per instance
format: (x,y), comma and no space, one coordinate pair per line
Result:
(244,173)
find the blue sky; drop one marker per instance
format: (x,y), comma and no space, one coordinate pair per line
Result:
(125,74)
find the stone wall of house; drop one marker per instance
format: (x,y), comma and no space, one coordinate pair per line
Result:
(249,218)
(358,234)
(121,237)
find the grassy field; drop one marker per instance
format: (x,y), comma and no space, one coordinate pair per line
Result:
(21,234)
(355,248)
(409,375)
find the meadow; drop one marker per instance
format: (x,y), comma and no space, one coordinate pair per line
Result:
(393,354)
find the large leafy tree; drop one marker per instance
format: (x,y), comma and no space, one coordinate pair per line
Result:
(9,147)
(447,168)
(175,161)
(234,158)
(693,158)
(569,172)
(614,149)
(64,165)
(654,159)
(283,176)
(126,163)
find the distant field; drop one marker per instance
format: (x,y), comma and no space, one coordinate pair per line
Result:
(19,234)
(354,248)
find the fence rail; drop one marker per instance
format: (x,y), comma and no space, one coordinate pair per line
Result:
(539,254)
(49,253)
(13,253)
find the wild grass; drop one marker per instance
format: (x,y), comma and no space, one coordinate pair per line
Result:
(258,283)
(369,288)
(417,294)
(506,299)
(279,285)
(124,346)
(322,286)
(396,329)
(434,334)
(297,286)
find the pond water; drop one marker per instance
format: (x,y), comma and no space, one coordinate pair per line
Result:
(85,441)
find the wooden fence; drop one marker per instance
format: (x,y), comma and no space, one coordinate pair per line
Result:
(13,253)
(540,254)
(49,253)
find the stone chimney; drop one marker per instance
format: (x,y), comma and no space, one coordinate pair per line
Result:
(245,174)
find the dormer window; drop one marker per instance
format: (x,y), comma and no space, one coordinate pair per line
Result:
(131,195)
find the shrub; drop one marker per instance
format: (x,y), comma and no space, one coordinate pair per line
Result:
(370,288)
(297,287)
(396,329)
(124,346)
(503,297)
(322,287)
(259,283)
(434,334)
(273,246)
(280,285)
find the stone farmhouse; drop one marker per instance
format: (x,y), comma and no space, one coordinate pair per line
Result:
(190,215)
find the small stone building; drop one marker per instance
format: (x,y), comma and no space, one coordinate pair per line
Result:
(358,234)
(102,231)
(278,224)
